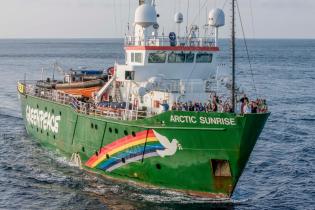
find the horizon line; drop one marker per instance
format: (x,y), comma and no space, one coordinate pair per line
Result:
(77,38)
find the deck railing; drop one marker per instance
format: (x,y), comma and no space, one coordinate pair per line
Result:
(165,41)
(61,97)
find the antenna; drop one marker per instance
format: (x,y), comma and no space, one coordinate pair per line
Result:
(179,18)
(233,56)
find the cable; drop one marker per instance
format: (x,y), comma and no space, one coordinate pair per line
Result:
(203,5)
(187,22)
(199,12)
(252,18)
(194,20)
(121,17)
(198,15)
(246,47)
(191,72)
(129,17)
(224,4)
(115,18)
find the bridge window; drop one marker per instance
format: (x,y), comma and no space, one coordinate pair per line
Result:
(181,57)
(176,57)
(190,58)
(136,57)
(157,58)
(204,58)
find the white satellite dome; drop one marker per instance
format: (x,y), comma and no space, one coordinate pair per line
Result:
(179,18)
(145,15)
(216,18)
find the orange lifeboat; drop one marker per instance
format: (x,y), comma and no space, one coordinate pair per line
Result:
(86,92)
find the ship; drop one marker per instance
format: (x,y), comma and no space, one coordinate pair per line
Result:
(155,120)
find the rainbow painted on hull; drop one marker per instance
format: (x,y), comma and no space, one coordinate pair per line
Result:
(126,150)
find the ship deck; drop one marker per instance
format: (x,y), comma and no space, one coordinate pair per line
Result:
(81,100)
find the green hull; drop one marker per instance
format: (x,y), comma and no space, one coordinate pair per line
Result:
(211,152)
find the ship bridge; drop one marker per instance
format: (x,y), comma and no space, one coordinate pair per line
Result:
(174,55)
(163,66)
(173,62)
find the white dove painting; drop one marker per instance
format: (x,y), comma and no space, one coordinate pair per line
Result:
(170,147)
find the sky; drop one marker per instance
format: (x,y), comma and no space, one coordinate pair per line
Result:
(109,18)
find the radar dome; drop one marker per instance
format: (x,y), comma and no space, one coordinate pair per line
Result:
(145,15)
(179,18)
(216,18)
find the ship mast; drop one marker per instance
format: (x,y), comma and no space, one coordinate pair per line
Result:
(233,56)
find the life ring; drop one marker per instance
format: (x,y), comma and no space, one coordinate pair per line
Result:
(172,36)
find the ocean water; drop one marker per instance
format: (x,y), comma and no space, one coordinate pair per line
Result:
(279,175)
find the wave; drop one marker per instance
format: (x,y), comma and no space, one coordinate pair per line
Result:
(11,116)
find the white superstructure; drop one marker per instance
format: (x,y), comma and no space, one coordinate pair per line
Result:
(163,69)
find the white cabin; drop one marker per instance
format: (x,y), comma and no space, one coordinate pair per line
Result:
(165,69)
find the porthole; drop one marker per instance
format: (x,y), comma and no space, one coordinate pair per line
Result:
(60,113)
(47,134)
(45,108)
(158,166)
(96,127)
(92,125)
(110,130)
(116,130)
(37,106)
(54,136)
(41,131)
(126,133)
(53,111)
(133,134)
(37,129)
(83,149)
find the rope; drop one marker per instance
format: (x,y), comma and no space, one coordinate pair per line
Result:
(129,17)
(191,72)
(252,18)
(115,18)
(187,22)
(199,12)
(246,48)
(198,15)
(224,4)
